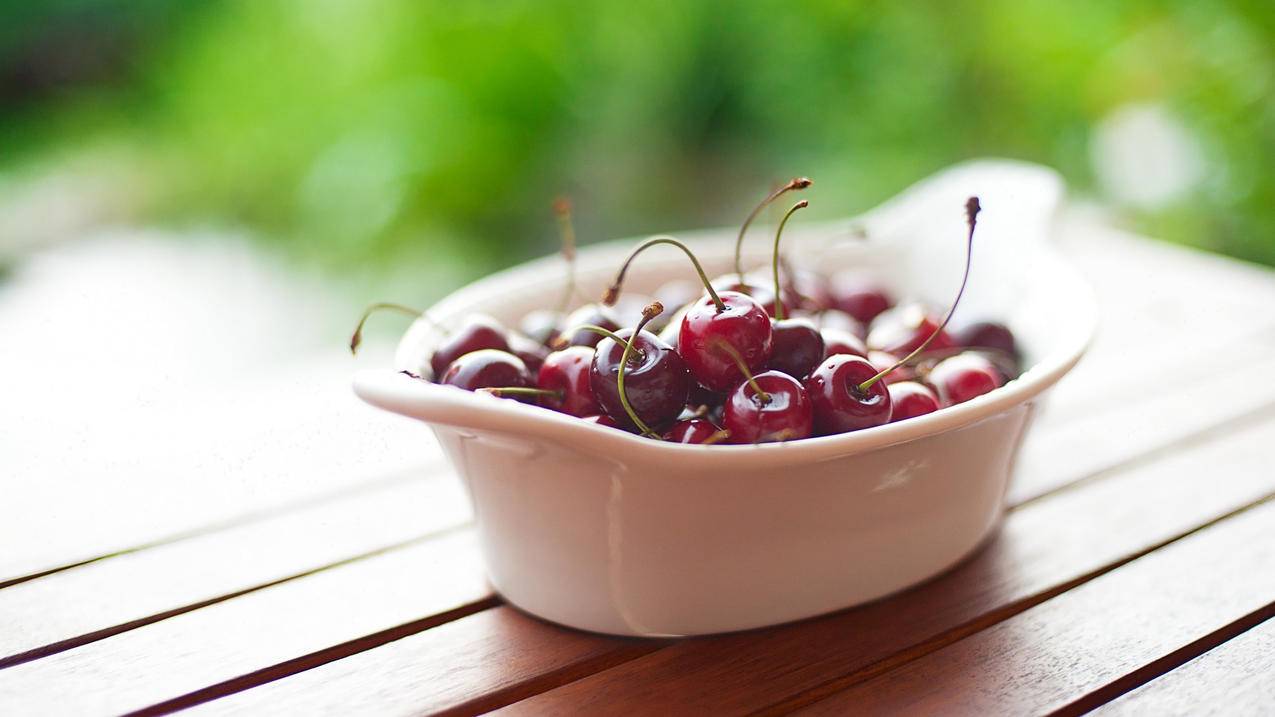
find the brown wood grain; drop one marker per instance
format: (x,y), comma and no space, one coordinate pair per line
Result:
(95,601)
(1044,549)
(302,618)
(1236,678)
(1073,652)
(468,666)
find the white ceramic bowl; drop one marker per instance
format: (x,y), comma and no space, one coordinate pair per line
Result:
(602,530)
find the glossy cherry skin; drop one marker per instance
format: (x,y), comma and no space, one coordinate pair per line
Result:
(744,326)
(860,296)
(986,335)
(910,399)
(486,368)
(531,352)
(594,314)
(839,405)
(838,341)
(567,371)
(797,347)
(656,380)
(962,377)
(541,325)
(900,330)
(787,416)
(695,430)
(479,332)
(881,360)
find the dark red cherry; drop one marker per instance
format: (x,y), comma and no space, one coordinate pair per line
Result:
(478,332)
(859,296)
(603,420)
(783,413)
(743,326)
(797,347)
(695,430)
(531,352)
(987,335)
(656,380)
(962,377)
(838,341)
(594,314)
(542,325)
(839,404)
(486,368)
(910,399)
(567,372)
(902,329)
(882,360)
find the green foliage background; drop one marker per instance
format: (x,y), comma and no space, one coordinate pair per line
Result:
(378,131)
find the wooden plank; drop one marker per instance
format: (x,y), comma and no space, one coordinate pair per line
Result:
(469,666)
(1079,649)
(1234,679)
(1044,549)
(78,606)
(297,624)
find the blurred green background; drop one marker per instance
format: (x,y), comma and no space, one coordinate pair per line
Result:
(372,135)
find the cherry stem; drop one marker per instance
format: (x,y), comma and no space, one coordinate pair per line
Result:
(520,391)
(743,367)
(779,232)
(357,337)
(648,313)
(972,209)
(567,234)
(613,292)
(793,184)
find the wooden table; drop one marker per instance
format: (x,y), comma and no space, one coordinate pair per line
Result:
(1135,572)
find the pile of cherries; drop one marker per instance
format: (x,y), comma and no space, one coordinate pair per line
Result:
(746,358)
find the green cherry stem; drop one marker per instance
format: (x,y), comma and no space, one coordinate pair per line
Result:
(567,234)
(357,337)
(648,313)
(972,208)
(743,367)
(793,184)
(613,292)
(779,232)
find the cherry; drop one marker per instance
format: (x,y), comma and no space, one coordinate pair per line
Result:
(902,329)
(566,373)
(840,403)
(542,325)
(798,347)
(838,341)
(695,430)
(859,296)
(910,399)
(750,285)
(531,352)
(994,336)
(710,322)
(590,314)
(964,376)
(771,406)
(486,368)
(641,381)
(477,333)
(883,361)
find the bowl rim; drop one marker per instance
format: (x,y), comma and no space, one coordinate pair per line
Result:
(466,411)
